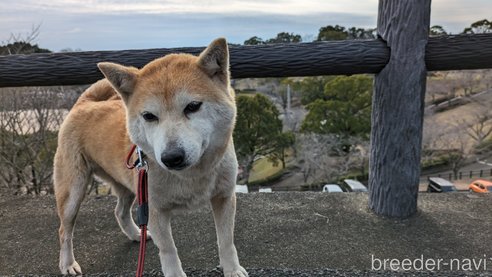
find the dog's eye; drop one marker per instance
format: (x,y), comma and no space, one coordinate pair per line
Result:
(192,107)
(149,117)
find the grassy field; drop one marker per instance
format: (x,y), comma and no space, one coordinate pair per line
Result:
(263,168)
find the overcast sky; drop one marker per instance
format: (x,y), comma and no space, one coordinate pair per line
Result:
(138,24)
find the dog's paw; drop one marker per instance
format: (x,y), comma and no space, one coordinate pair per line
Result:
(73,269)
(237,272)
(175,274)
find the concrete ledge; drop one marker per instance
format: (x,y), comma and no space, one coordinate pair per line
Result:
(293,230)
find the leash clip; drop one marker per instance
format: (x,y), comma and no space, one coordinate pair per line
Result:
(141,163)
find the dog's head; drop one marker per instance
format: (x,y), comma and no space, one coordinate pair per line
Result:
(180,108)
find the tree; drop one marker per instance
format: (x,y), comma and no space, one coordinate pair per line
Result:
(312,88)
(480,27)
(479,125)
(258,131)
(285,37)
(22,44)
(346,110)
(330,32)
(322,159)
(437,30)
(28,137)
(29,121)
(338,32)
(254,41)
(360,33)
(283,142)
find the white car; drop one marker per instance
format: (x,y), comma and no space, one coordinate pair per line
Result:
(355,185)
(242,189)
(332,188)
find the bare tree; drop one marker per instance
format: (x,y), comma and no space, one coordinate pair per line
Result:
(479,126)
(28,135)
(29,122)
(456,146)
(486,78)
(322,157)
(19,43)
(311,152)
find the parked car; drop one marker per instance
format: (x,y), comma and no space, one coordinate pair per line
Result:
(437,184)
(242,189)
(355,185)
(480,186)
(332,188)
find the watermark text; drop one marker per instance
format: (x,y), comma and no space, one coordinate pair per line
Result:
(423,263)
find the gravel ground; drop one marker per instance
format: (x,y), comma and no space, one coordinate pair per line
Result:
(274,272)
(277,234)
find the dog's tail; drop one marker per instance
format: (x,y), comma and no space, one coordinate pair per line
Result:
(99,91)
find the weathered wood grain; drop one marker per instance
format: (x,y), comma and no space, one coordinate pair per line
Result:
(398,109)
(281,60)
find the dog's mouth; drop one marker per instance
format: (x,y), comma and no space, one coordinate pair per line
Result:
(177,168)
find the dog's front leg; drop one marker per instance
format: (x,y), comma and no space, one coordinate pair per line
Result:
(160,226)
(224,209)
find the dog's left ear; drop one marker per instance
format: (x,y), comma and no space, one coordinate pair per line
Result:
(122,78)
(214,60)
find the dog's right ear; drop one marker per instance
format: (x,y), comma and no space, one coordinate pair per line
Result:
(214,60)
(122,78)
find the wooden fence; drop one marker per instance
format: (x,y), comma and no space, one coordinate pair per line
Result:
(400,58)
(278,60)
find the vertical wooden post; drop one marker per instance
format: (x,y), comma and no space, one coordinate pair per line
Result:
(398,108)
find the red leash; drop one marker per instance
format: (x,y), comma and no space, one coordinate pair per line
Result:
(143,207)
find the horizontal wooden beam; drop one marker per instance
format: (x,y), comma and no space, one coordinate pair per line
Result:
(459,52)
(277,60)
(306,59)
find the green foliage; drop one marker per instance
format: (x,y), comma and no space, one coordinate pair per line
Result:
(437,30)
(345,109)
(254,41)
(480,27)
(329,32)
(338,32)
(21,48)
(283,142)
(256,124)
(360,33)
(283,37)
(258,131)
(312,88)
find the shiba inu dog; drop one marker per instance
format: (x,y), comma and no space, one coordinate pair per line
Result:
(180,111)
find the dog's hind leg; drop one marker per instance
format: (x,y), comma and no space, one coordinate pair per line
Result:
(71,178)
(123,212)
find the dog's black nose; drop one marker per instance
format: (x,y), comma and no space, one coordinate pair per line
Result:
(174,159)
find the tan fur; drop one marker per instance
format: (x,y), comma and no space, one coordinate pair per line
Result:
(107,119)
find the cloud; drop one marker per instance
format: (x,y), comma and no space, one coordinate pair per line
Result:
(122,24)
(286,7)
